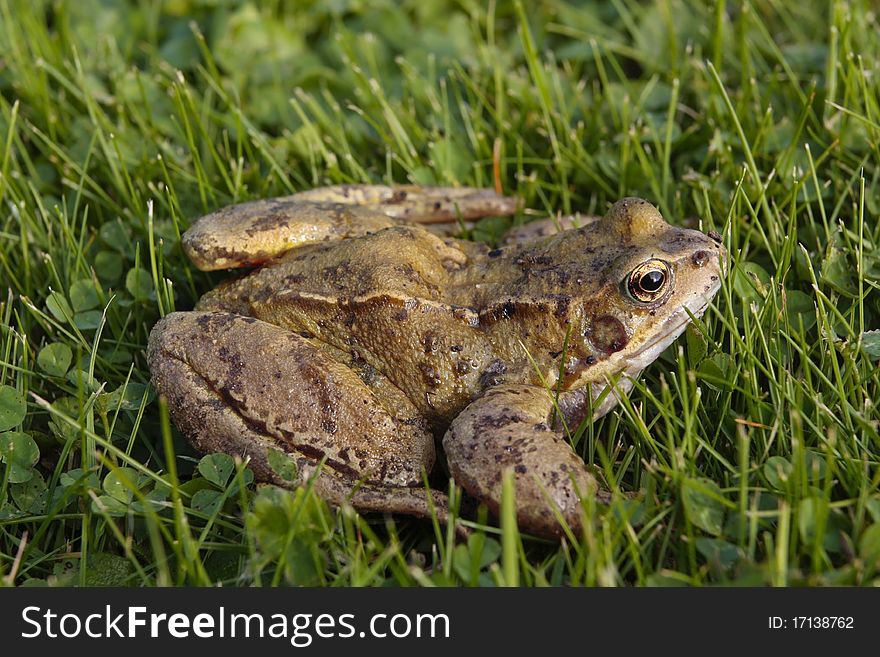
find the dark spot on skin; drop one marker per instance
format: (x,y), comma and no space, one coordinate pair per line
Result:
(529,260)
(462,367)
(293,279)
(399,196)
(499,312)
(714,236)
(700,258)
(590,360)
(555,354)
(455,348)
(271,221)
(681,242)
(367,373)
(430,375)
(263,294)
(339,275)
(607,334)
(559,275)
(521,469)
(462,312)
(341,212)
(235,363)
(562,304)
(215,321)
(493,374)
(407,271)
(430,342)
(215,404)
(214,253)
(503,419)
(401,315)
(494,253)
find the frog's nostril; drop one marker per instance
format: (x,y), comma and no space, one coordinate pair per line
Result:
(700,258)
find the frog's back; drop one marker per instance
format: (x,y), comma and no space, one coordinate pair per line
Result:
(382,299)
(401,262)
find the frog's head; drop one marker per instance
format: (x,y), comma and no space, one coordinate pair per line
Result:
(656,278)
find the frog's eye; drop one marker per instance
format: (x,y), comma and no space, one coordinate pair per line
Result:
(649,281)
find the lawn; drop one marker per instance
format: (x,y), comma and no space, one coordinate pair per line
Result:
(747,454)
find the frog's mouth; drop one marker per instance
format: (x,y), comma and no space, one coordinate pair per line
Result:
(651,350)
(639,360)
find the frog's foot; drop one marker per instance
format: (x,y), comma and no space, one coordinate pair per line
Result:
(244,387)
(507,429)
(418,204)
(539,228)
(416,501)
(249,234)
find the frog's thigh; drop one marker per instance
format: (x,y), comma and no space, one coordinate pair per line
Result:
(238,385)
(418,204)
(507,428)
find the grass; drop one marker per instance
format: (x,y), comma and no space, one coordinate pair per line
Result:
(753,442)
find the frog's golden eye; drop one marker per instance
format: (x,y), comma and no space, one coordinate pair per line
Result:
(649,281)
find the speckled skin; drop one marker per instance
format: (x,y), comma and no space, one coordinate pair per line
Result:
(363,335)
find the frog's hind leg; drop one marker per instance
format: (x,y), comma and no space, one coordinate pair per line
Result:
(249,234)
(508,428)
(244,387)
(417,204)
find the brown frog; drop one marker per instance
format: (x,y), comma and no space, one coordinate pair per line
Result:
(361,336)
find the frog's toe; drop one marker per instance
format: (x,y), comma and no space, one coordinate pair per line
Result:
(507,429)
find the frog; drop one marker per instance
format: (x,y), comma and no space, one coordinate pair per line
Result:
(379,355)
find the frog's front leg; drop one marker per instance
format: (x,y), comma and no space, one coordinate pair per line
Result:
(508,428)
(242,386)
